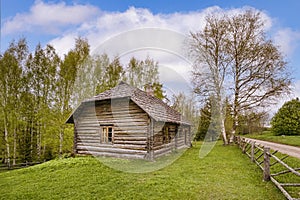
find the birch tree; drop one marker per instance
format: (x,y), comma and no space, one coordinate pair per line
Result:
(10,89)
(42,69)
(259,72)
(234,49)
(66,87)
(207,49)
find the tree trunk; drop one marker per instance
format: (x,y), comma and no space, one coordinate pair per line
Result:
(61,139)
(44,150)
(234,126)
(221,118)
(223,131)
(31,142)
(6,142)
(15,146)
(235,105)
(38,141)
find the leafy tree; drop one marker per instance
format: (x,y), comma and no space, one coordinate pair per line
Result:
(66,85)
(258,69)
(42,69)
(134,73)
(158,91)
(204,121)
(113,74)
(186,105)
(287,120)
(140,73)
(209,121)
(228,117)
(10,89)
(100,63)
(207,49)
(252,122)
(74,70)
(6,106)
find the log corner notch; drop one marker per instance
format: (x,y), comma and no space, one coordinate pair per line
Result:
(128,122)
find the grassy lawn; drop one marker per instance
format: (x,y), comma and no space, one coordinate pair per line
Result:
(225,173)
(268,136)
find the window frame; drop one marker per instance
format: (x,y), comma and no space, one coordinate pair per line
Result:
(105,134)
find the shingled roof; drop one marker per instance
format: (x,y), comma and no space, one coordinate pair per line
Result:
(153,106)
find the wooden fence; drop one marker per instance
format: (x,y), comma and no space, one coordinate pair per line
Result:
(266,159)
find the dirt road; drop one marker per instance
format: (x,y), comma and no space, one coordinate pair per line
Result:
(286,149)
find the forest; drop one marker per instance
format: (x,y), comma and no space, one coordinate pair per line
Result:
(39,90)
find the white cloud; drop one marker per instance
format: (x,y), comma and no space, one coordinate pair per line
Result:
(110,24)
(287,40)
(49,17)
(102,27)
(64,44)
(97,26)
(118,33)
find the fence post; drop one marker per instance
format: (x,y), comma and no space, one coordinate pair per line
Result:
(252,151)
(238,140)
(244,145)
(266,164)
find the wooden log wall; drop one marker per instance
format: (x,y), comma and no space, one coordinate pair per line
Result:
(130,126)
(169,137)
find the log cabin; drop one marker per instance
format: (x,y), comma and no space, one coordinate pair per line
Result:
(129,123)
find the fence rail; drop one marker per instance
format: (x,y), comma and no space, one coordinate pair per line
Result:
(262,156)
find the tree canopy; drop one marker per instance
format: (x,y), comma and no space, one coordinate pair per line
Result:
(287,120)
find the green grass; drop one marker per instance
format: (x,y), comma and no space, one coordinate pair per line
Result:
(268,136)
(225,173)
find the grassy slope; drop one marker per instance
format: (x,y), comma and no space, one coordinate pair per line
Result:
(224,174)
(268,136)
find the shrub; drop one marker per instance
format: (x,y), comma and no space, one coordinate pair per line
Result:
(287,120)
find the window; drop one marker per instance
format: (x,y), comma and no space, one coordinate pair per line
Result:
(107,134)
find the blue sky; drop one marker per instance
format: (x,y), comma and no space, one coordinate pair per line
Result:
(59,22)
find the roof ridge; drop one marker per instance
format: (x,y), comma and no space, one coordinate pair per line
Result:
(153,106)
(122,82)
